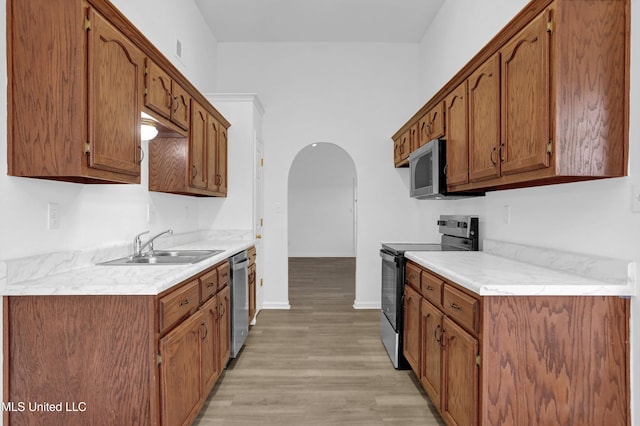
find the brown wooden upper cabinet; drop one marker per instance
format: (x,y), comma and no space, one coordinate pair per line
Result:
(526,139)
(193,165)
(208,152)
(431,125)
(485,145)
(198,147)
(457,146)
(216,156)
(402,149)
(546,102)
(74,105)
(165,96)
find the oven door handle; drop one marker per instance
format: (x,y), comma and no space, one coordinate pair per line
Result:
(388,257)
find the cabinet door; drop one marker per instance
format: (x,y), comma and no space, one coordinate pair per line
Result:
(115,87)
(457,150)
(157,96)
(413,138)
(526,98)
(430,351)
(221,166)
(180,371)
(484,121)
(460,376)
(180,105)
(209,366)
(197,147)
(411,331)
(431,126)
(213,135)
(224,327)
(402,147)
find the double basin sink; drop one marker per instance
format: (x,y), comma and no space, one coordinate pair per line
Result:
(165,257)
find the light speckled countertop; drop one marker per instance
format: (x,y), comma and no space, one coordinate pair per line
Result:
(504,269)
(45,275)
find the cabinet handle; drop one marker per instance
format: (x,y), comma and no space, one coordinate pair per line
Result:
(194,171)
(177,106)
(440,339)
(184,302)
(429,288)
(206,331)
(141,154)
(501,157)
(491,157)
(456,307)
(211,284)
(222,308)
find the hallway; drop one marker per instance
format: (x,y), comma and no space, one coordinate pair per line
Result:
(320,363)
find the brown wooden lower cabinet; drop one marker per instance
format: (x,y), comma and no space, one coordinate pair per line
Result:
(115,360)
(411,332)
(542,360)
(180,371)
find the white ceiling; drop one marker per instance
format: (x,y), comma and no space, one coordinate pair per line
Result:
(319,20)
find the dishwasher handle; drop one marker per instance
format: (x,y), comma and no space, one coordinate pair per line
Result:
(236,266)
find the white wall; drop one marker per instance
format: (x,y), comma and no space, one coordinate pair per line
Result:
(589,217)
(97,215)
(321,206)
(166,21)
(353,95)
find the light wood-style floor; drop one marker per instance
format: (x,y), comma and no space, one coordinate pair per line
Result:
(320,363)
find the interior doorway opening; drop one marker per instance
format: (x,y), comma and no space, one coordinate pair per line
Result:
(322,206)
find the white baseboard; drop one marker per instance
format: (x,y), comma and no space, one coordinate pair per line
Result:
(276,305)
(366,305)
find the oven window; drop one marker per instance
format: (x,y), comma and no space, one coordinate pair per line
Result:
(423,172)
(390,291)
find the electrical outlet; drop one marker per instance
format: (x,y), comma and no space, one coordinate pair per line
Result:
(53,216)
(635,198)
(151,214)
(506,214)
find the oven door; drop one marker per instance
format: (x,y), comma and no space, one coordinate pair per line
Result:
(392,271)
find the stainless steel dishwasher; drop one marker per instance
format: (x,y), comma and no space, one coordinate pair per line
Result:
(239,301)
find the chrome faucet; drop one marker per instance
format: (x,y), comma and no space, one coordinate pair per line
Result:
(138,246)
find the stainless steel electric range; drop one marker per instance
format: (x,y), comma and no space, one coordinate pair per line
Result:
(459,233)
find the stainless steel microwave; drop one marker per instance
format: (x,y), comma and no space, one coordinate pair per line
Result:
(427,166)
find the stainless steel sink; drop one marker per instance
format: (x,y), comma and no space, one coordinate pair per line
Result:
(165,257)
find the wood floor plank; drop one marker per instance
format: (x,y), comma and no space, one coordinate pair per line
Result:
(319,363)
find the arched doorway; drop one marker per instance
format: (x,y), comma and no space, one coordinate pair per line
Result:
(322,188)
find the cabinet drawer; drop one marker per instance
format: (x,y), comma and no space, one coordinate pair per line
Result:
(208,284)
(178,304)
(251,254)
(412,276)
(461,307)
(223,275)
(432,288)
